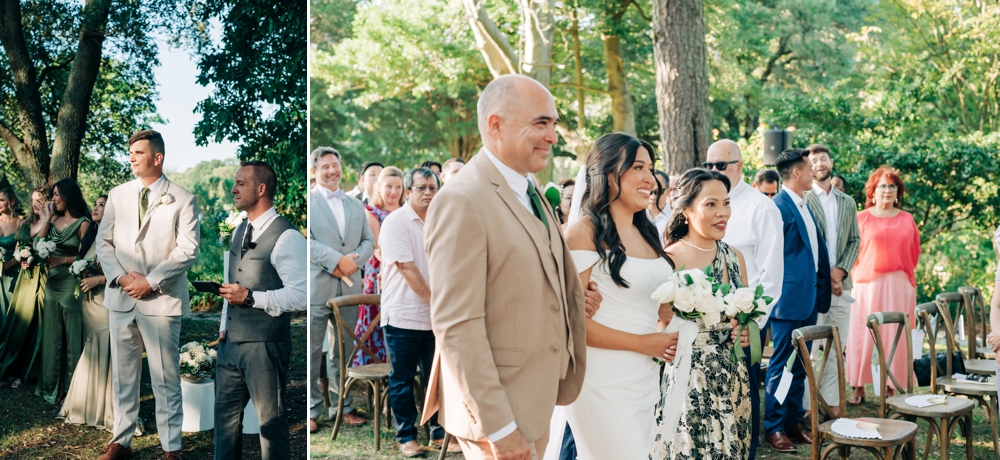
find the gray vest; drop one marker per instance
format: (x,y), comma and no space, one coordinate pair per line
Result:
(255,272)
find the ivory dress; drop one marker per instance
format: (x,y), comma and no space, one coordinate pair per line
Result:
(613,416)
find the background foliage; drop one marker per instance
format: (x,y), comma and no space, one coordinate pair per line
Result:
(908,83)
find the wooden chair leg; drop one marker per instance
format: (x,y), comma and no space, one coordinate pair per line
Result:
(944,438)
(378,413)
(968,436)
(344,391)
(444,446)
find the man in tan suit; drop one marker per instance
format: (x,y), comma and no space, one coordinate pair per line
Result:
(507,307)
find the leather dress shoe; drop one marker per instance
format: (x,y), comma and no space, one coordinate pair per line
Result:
(172,455)
(411,449)
(313,425)
(116,452)
(800,434)
(352,419)
(780,443)
(453,447)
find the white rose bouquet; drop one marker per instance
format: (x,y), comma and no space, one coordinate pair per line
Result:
(228,226)
(197,363)
(692,295)
(79,267)
(44,248)
(746,305)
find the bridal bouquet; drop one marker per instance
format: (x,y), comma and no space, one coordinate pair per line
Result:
(746,305)
(228,226)
(197,363)
(692,295)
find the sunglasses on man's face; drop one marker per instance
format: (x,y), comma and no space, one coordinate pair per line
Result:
(719,165)
(770,194)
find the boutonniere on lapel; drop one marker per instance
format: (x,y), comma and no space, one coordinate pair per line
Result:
(166,198)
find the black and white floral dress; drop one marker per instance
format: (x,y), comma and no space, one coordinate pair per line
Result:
(715,422)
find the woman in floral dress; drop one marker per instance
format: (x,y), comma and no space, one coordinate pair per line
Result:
(713,419)
(388,197)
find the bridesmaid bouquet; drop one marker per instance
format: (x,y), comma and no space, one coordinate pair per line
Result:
(745,305)
(692,295)
(197,363)
(228,226)
(80,269)
(44,248)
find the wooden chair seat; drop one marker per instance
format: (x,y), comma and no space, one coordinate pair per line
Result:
(987,353)
(966,387)
(369,371)
(953,407)
(894,432)
(980,366)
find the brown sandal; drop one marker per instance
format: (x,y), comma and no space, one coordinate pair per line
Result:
(856,401)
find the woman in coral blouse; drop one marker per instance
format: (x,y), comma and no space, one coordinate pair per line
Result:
(883,275)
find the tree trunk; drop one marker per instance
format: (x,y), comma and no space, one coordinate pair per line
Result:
(31,148)
(622,107)
(75,107)
(499,55)
(538,28)
(574,31)
(681,82)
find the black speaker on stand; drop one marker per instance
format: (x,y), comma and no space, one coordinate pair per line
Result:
(775,142)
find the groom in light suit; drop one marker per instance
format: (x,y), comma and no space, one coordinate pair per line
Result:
(147,241)
(507,306)
(339,242)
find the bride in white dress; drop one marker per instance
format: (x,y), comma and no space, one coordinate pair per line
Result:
(613,416)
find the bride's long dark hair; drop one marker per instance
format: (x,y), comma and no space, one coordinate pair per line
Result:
(687,189)
(614,154)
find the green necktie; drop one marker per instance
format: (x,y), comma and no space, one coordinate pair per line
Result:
(536,203)
(143,203)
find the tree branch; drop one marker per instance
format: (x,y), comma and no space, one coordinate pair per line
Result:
(44,73)
(642,14)
(497,50)
(575,86)
(9,137)
(782,51)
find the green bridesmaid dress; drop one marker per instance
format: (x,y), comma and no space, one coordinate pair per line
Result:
(20,337)
(9,277)
(62,317)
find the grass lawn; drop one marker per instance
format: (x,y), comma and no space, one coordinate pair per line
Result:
(29,429)
(358,443)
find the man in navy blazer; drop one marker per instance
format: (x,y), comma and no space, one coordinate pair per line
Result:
(805,292)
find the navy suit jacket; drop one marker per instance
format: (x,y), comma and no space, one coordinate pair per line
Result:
(804,291)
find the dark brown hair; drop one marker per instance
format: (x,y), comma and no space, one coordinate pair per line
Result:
(155,140)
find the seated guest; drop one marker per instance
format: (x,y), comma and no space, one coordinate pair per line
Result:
(367,178)
(766,182)
(406,311)
(839,182)
(433,166)
(450,168)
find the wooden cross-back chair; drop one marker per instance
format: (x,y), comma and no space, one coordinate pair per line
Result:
(898,436)
(934,323)
(372,374)
(979,322)
(941,418)
(973,365)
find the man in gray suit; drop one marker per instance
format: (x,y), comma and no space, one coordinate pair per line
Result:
(267,271)
(339,240)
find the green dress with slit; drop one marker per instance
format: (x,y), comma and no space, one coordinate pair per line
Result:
(62,317)
(20,336)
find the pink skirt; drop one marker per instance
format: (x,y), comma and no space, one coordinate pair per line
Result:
(887,292)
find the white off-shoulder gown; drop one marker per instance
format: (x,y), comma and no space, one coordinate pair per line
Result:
(613,416)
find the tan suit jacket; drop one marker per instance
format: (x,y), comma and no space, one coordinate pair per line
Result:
(507,309)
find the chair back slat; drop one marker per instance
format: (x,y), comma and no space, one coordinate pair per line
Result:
(347,301)
(949,301)
(800,339)
(876,321)
(978,316)
(929,317)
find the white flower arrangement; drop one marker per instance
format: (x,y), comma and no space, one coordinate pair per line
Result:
(44,248)
(228,226)
(166,198)
(78,267)
(24,255)
(692,295)
(197,364)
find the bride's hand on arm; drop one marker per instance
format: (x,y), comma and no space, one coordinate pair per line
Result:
(659,345)
(593,298)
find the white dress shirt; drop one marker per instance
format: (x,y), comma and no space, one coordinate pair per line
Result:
(334,200)
(660,221)
(289,259)
(800,204)
(828,201)
(755,228)
(519,184)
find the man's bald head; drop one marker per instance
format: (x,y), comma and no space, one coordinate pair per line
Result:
(517,118)
(724,151)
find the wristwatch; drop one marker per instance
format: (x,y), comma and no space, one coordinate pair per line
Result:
(249,300)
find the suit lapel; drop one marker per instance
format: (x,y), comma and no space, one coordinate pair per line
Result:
(153,207)
(843,221)
(322,208)
(534,227)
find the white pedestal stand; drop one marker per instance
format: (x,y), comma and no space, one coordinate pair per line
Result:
(199,405)
(251,425)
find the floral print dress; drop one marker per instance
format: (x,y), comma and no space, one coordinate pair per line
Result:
(715,423)
(367,313)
